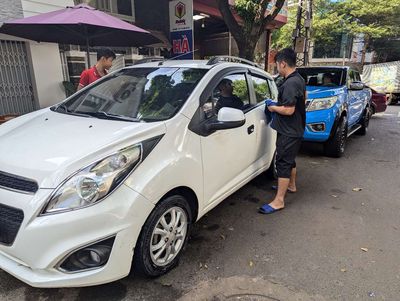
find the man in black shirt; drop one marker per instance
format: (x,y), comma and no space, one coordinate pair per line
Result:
(289,121)
(227,99)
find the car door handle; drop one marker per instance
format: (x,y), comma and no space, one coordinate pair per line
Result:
(250,129)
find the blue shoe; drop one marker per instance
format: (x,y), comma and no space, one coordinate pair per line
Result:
(267,209)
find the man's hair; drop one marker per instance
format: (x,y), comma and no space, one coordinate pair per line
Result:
(329,75)
(223,82)
(105,52)
(286,55)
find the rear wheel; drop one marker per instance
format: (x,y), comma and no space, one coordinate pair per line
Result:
(373,111)
(163,237)
(335,146)
(364,122)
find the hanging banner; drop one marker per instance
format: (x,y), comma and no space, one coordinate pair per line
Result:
(181,28)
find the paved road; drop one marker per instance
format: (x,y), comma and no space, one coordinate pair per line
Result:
(309,251)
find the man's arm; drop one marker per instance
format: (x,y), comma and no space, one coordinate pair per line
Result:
(84,80)
(283,110)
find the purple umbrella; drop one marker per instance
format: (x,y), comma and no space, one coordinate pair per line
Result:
(79,25)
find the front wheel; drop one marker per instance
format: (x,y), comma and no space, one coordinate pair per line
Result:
(335,146)
(163,237)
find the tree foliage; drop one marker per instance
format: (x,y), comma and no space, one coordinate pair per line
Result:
(253,21)
(376,21)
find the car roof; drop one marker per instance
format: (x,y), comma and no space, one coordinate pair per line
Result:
(198,64)
(324,67)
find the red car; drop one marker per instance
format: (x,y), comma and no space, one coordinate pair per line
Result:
(378,101)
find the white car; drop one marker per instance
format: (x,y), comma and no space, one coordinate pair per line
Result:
(114,176)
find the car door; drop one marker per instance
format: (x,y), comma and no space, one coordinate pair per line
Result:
(263,88)
(227,154)
(356,99)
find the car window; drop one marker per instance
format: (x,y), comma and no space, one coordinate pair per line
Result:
(231,91)
(142,94)
(357,76)
(328,77)
(352,77)
(261,88)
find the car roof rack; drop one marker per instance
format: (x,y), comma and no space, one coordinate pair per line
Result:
(149,60)
(226,58)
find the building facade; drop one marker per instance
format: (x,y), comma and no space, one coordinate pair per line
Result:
(31,73)
(36,75)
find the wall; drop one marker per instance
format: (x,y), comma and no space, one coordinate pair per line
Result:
(34,7)
(10,9)
(45,57)
(159,12)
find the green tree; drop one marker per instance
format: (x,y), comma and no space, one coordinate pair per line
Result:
(372,19)
(253,21)
(326,26)
(386,50)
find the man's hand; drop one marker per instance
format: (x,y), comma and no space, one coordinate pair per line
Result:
(270,102)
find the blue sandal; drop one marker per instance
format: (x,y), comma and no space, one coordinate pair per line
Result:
(267,209)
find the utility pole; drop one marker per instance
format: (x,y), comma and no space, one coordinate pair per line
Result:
(302,33)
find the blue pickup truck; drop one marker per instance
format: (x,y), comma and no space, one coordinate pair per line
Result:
(337,105)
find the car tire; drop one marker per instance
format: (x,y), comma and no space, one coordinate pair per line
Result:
(364,122)
(147,259)
(335,146)
(271,172)
(391,99)
(373,111)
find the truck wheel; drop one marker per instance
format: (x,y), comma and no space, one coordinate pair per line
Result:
(335,146)
(163,237)
(364,122)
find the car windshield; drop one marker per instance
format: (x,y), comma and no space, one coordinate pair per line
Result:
(327,77)
(136,94)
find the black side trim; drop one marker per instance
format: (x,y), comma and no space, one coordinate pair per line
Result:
(336,122)
(10,221)
(215,126)
(149,144)
(13,182)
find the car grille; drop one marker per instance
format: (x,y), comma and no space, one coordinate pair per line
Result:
(10,221)
(13,182)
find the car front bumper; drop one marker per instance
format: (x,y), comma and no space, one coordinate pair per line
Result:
(43,242)
(324,117)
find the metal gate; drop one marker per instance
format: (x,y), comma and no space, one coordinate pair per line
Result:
(16,91)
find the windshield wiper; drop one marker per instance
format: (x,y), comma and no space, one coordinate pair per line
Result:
(65,110)
(61,106)
(104,115)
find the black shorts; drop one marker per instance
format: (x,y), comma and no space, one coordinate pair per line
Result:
(286,152)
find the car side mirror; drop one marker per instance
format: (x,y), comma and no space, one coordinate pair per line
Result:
(356,86)
(228,118)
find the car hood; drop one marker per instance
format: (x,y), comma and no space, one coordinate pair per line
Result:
(48,147)
(320,92)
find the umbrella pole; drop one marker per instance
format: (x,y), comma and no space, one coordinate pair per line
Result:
(87,52)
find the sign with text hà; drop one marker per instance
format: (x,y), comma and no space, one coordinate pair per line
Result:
(181,28)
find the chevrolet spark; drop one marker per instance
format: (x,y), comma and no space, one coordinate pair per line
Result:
(114,176)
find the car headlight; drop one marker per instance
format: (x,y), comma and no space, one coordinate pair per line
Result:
(93,183)
(322,103)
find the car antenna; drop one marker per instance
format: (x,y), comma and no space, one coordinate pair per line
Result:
(175,57)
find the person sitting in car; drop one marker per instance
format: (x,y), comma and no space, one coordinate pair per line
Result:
(227,98)
(328,80)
